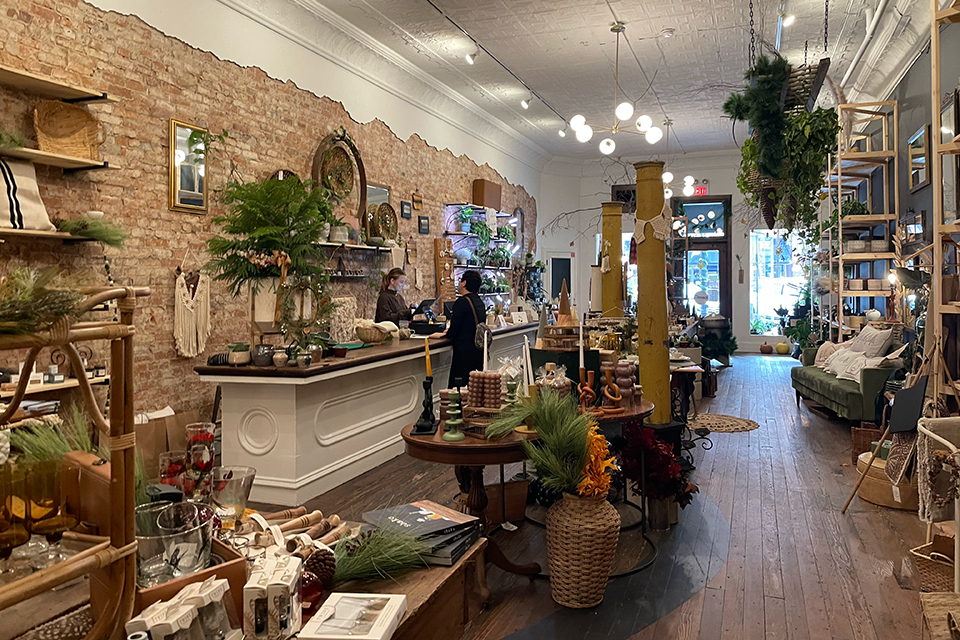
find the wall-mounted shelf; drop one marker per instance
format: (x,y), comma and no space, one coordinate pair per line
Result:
(352,247)
(42,235)
(49,88)
(55,159)
(866,294)
(870,220)
(865,257)
(72,383)
(477,268)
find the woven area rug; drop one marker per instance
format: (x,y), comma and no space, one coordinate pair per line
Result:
(717,423)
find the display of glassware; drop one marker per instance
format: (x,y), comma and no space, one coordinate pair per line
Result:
(52,505)
(13,531)
(197,483)
(231,490)
(173,468)
(173,540)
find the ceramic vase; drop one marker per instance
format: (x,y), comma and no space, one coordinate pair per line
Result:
(238,358)
(303,360)
(582,535)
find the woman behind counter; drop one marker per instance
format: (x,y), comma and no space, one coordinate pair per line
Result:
(467,311)
(391,305)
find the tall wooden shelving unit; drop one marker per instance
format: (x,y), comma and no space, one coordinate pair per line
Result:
(943,313)
(854,167)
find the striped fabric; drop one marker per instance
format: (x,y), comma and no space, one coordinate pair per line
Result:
(20,203)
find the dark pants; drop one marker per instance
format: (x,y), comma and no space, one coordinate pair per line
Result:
(465,360)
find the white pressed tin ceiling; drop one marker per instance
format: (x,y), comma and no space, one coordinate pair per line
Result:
(564,50)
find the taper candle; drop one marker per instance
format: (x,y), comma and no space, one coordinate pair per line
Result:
(426,342)
(581,344)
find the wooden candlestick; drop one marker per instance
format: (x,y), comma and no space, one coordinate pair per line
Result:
(587,395)
(303,522)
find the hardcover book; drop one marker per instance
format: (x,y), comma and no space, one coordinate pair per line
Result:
(423,519)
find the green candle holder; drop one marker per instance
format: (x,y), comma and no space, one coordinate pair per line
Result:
(452,432)
(512,391)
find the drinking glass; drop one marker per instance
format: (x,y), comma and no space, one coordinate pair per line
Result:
(53,501)
(231,490)
(197,484)
(173,540)
(13,533)
(173,468)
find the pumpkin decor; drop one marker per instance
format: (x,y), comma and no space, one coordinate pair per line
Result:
(783,348)
(766,348)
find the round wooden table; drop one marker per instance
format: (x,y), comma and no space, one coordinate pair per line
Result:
(469,456)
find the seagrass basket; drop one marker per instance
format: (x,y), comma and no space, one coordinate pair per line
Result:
(582,535)
(67,130)
(934,564)
(371,335)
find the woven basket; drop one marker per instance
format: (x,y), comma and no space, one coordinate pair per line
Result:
(860,439)
(371,335)
(582,535)
(936,569)
(67,130)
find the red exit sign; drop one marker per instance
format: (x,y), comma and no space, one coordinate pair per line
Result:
(700,191)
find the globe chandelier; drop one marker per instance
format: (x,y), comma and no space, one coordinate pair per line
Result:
(622,114)
(668,177)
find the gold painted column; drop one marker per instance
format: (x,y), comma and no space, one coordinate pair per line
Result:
(652,310)
(612,281)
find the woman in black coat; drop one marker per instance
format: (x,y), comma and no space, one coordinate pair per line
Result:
(468,311)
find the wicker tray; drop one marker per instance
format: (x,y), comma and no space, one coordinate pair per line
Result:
(934,564)
(67,129)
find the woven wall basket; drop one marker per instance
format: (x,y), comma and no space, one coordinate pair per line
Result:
(582,535)
(67,129)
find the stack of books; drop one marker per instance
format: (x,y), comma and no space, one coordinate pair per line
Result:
(448,534)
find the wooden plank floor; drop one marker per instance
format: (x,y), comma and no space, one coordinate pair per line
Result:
(762,553)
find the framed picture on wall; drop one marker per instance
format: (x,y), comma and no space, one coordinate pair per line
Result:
(406,210)
(949,163)
(423,224)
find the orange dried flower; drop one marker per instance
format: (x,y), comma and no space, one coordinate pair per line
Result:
(596,477)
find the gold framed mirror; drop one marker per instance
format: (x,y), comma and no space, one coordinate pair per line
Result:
(188,184)
(918,147)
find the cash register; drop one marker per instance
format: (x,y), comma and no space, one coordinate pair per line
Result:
(431,324)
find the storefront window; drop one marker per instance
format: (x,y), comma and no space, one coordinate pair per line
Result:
(777,280)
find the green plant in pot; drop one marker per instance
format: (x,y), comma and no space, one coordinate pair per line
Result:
(238,353)
(465,218)
(506,233)
(570,457)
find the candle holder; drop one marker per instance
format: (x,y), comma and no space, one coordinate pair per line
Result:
(452,431)
(512,391)
(587,395)
(426,425)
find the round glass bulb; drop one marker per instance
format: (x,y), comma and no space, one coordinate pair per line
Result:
(668,193)
(525,103)
(653,135)
(644,123)
(677,224)
(688,180)
(562,133)
(624,111)
(584,133)
(667,176)
(892,277)
(711,214)
(577,121)
(700,217)
(607,146)
(789,20)
(688,191)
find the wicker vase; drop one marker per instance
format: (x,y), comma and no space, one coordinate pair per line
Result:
(582,536)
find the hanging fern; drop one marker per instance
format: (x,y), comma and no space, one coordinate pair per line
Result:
(760,105)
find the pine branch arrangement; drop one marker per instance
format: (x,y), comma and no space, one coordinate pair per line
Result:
(32,300)
(267,219)
(98,230)
(379,554)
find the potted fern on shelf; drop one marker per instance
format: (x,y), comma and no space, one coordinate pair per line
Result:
(572,458)
(270,233)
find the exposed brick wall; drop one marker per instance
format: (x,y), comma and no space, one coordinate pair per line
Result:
(272,125)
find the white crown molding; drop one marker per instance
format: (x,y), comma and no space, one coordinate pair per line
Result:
(317,29)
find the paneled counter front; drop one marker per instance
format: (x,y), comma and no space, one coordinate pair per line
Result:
(308,430)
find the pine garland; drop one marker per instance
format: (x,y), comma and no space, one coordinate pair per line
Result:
(33,300)
(98,230)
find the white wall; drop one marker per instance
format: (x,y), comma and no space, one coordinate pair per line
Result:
(328,57)
(560,193)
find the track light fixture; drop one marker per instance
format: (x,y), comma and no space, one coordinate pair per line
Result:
(472,57)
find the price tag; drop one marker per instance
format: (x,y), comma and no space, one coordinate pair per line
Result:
(896,493)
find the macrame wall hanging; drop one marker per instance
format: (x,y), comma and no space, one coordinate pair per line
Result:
(191,316)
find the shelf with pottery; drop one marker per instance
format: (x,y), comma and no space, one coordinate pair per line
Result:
(479,210)
(867,294)
(353,247)
(70,383)
(33,234)
(479,268)
(308,430)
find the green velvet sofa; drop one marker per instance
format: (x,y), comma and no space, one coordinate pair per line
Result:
(848,399)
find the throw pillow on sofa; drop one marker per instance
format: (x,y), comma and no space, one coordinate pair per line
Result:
(825,351)
(20,203)
(872,342)
(853,369)
(842,361)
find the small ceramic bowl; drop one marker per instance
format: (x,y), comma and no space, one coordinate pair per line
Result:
(340,352)
(93,215)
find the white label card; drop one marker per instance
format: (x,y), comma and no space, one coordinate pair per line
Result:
(896,493)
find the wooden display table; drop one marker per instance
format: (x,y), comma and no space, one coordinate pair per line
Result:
(469,457)
(440,600)
(935,608)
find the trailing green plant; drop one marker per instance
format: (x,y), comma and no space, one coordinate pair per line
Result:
(506,233)
(500,257)
(99,230)
(33,300)
(759,104)
(465,215)
(270,224)
(483,232)
(560,453)
(204,144)
(851,208)
(378,554)
(10,140)
(810,138)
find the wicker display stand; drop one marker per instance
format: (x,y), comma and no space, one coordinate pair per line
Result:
(118,551)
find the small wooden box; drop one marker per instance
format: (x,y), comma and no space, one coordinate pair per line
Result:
(486,193)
